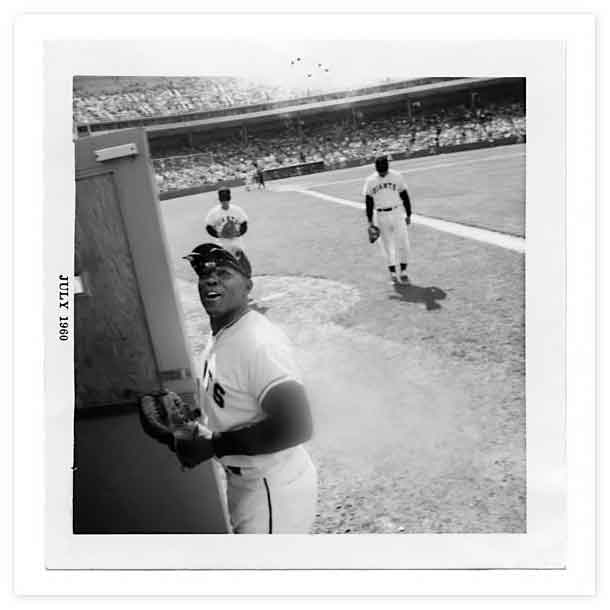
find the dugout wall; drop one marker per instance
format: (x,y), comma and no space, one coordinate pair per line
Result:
(129,340)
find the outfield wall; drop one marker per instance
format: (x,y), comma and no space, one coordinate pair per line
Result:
(306,168)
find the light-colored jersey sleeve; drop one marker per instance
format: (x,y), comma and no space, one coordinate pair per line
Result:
(366,189)
(212,218)
(401,183)
(238,213)
(273,363)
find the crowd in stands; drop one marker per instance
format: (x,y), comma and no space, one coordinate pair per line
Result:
(111,99)
(117,98)
(339,144)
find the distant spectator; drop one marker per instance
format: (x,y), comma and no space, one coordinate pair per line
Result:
(260,178)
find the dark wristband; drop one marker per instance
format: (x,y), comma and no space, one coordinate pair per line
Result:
(217,445)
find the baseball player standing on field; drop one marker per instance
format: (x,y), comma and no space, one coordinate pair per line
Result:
(260,177)
(254,404)
(387,199)
(227,222)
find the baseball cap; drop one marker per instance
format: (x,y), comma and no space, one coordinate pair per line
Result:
(224,194)
(207,256)
(381,163)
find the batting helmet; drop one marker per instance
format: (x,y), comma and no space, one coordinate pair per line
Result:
(382,165)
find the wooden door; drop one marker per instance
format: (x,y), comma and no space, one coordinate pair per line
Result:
(129,339)
(128,321)
(114,356)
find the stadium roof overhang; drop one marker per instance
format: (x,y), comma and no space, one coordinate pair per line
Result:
(330,106)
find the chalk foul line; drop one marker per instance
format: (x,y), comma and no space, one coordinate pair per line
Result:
(425,167)
(503,240)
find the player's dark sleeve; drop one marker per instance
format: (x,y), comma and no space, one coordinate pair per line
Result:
(406,201)
(370,205)
(211,230)
(243,228)
(288,423)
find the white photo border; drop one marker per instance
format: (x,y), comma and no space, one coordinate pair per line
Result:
(573,37)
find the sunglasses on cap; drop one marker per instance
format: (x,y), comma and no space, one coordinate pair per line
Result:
(204,259)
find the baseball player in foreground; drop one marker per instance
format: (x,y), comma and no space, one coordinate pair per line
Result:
(227,222)
(256,413)
(387,200)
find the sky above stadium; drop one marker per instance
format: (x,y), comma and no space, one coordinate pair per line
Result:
(297,64)
(315,63)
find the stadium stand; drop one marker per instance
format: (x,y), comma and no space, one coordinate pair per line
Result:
(110,99)
(117,98)
(207,130)
(338,144)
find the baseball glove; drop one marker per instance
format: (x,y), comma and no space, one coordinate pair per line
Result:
(373,233)
(165,416)
(230,229)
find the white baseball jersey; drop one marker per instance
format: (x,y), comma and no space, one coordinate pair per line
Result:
(217,217)
(385,190)
(239,365)
(390,215)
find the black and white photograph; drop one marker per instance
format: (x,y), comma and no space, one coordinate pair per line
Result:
(348,255)
(305,300)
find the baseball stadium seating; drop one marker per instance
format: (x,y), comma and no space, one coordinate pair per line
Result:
(203,131)
(110,99)
(338,145)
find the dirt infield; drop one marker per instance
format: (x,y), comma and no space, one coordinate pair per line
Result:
(418,391)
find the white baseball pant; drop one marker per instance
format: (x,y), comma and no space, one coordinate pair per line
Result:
(280,501)
(394,236)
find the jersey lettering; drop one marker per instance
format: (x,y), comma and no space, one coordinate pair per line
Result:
(207,376)
(218,394)
(383,185)
(218,216)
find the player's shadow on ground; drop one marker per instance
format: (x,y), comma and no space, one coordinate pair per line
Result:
(418,294)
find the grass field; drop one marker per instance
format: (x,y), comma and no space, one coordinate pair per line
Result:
(418,392)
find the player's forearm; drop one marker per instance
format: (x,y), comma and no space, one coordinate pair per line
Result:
(268,436)
(406,201)
(370,206)
(211,230)
(288,423)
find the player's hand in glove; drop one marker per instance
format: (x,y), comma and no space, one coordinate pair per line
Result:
(230,229)
(165,416)
(373,233)
(408,219)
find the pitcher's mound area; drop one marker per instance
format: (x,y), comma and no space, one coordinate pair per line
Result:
(297,303)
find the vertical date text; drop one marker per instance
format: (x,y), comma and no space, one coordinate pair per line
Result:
(64,305)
